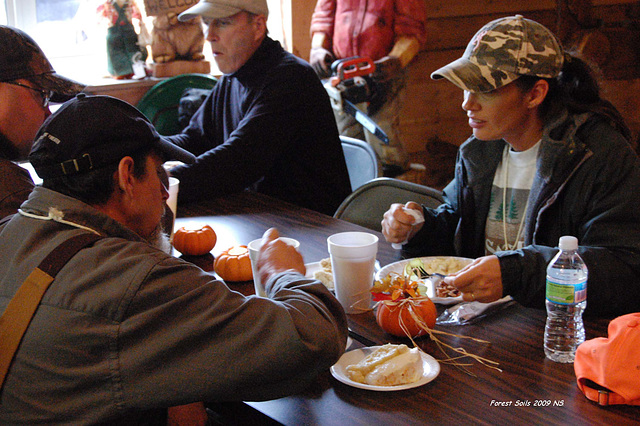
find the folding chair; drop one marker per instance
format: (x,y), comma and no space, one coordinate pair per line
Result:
(367,204)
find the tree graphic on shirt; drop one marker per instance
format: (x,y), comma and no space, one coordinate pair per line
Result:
(513,210)
(499,211)
(498,216)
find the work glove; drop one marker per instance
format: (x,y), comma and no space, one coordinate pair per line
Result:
(386,68)
(321,60)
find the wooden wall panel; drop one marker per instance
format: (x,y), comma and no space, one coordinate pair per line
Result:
(438,9)
(455,32)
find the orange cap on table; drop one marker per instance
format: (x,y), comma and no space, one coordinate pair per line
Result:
(612,364)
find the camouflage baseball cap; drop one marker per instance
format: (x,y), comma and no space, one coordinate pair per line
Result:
(502,51)
(21,57)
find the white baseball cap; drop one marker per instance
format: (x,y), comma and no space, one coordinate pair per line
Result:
(216,9)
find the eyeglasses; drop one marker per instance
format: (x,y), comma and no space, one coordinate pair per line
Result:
(45,95)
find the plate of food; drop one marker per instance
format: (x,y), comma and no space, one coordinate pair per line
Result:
(386,368)
(422,270)
(321,271)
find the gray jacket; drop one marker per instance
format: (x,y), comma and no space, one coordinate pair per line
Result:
(587,185)
(126,329)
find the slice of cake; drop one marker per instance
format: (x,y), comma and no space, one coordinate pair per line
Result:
(388,365)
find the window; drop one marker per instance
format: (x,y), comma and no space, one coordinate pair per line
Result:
(68,31)
(72,35)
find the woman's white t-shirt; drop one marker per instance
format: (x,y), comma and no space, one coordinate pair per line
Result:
(509,199)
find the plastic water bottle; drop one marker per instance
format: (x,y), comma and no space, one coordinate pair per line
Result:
(566,299)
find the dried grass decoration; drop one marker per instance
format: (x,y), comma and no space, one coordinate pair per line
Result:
(403,310)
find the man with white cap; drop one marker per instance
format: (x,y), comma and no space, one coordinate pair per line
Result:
(28,83)
(268,124)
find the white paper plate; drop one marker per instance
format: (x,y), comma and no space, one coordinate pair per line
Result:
(312,268)
(430,366)
(398,268)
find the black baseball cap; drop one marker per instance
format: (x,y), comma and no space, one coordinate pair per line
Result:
(22,58)
(89,132)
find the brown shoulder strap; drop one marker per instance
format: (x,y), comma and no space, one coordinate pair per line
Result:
(17,317)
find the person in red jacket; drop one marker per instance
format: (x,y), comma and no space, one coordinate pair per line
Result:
(391,33)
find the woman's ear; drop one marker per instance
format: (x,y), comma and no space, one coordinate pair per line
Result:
(538,93)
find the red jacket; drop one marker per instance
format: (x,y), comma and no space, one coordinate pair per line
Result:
(368,27)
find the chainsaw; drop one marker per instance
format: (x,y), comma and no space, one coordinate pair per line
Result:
(352,83)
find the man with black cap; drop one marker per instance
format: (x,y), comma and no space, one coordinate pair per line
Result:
(126,330)
(268,125)
(28,83)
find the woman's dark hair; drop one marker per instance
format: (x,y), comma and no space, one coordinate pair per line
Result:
(577,90)
(95,187)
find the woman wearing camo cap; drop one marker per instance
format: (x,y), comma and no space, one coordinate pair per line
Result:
(548,157)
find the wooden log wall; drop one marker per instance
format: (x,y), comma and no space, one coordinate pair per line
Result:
(433,123)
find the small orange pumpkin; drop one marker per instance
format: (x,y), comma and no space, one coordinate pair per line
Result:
(234,264)
(391,315)
(194,242)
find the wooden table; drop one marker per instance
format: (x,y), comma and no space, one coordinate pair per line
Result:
(530,388)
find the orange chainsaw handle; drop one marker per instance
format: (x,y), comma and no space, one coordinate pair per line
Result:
(350,68)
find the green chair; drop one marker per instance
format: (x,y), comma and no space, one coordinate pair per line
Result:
(366,205)
(160,104)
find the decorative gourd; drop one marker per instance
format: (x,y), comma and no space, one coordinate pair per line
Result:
(194,242)
(406,317)
(234,264)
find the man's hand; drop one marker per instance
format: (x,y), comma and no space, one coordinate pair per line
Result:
(397,225)
(479,281)
(386,68)
(276,256)
(321,60)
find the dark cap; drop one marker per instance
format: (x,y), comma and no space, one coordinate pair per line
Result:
(89,132)
(21,57)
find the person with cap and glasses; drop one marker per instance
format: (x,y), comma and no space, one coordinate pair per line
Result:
(268,124)
(548,157)
(125,329)
(28,83)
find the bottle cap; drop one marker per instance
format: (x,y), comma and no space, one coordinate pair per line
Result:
(568,242)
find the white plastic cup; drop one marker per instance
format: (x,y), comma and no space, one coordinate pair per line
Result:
(169,216)
(172,202)
(254,248)
(353,257)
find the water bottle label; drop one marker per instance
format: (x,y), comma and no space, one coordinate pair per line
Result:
(566,294)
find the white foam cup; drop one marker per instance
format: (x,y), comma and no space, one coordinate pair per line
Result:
(172,203)
(254,248)
(353,257)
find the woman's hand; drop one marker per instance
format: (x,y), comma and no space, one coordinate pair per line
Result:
(399,226)
(479,281)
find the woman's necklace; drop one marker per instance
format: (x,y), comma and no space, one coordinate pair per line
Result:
(505,162)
